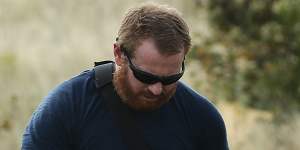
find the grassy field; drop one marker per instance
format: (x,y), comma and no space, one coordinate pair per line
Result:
(43,43)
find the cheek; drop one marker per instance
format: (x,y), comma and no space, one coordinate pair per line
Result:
(170,88)
(136,85)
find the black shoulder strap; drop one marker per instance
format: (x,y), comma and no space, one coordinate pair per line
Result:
(103,72)
(131,133)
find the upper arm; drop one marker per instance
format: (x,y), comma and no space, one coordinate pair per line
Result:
(50,125)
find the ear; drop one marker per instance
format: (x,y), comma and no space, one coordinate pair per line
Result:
(117,54)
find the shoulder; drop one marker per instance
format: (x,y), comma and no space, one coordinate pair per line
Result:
(204,120)
(65,95)
(75,87)
(195,101)
(84,80)
(68,91)
(73,93)
(64,100)
(203,114)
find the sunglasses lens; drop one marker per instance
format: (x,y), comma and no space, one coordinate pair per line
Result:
(145,78)
(170,80)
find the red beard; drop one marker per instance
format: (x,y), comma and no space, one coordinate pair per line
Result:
(124,90)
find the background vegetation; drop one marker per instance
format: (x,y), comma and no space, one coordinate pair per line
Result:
(258,59)
(245,58)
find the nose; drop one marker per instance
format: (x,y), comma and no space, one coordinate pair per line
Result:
(156,88)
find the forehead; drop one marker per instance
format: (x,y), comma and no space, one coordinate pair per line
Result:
(148,58)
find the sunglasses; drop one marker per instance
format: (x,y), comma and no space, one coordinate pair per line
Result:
(149,78)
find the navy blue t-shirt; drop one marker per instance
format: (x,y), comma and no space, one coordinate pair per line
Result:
(74,117)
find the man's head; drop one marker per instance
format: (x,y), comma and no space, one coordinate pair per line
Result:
(150,51)
(160,23)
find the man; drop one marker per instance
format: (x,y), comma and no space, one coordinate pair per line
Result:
(156,111)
